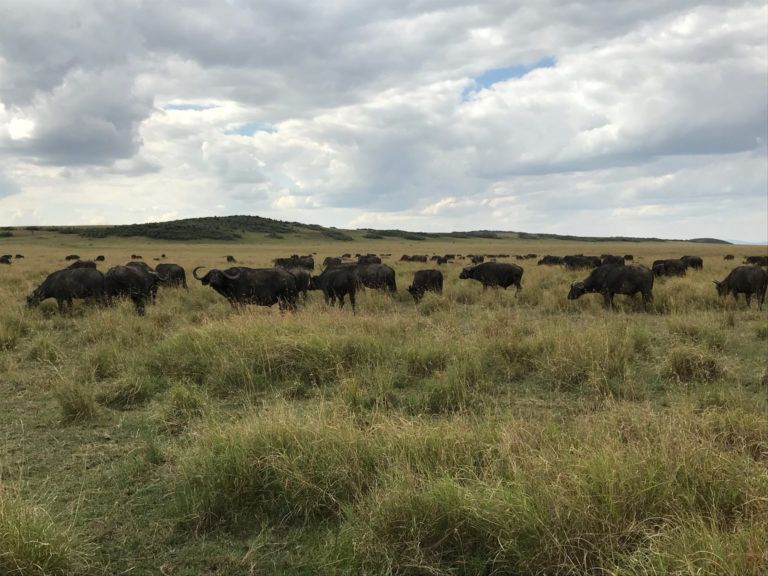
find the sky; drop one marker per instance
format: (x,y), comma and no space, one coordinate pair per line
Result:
(600,118)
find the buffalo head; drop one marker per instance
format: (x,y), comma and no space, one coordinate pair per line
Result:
(577,290)
(215,277)
(466,272)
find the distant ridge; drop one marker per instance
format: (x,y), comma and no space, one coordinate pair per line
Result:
(234,227)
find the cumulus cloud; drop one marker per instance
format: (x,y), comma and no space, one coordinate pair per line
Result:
(552,116)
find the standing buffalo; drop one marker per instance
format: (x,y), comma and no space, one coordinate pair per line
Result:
(609,280)
(377,276)
(756,260)
(728,257)
(231,259)
(628,258)
(611,259)
(424,280)
(99,258)
(373,259)
(19,256)
(171,275)
(502,274)
(331,261)
(65,285)
(72,257)
(5,259)
(550,260)
(302,277)
(476,258)
(260,286)
(131,282)
(336,283)
(82,264)
(296,261)
(745,280)
(694,262)
(581,262)
(136,257)
(671,267)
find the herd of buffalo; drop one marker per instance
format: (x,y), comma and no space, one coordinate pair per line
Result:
(342,277)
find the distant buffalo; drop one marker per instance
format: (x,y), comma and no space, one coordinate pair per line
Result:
(745,280)
(231,259)
(68,284)
(99,258)
(372,259)
(581,262)
(331,261)
(694,262)
(550,260)
(502,274)
(296,261)
(756,260)
(82,264)
(425,280)
(728,257)
(670,267)
(611,259)
(136,257)
(18,256)
(72,257)
(377,276)
(610,279)
(628,258)
(5,259)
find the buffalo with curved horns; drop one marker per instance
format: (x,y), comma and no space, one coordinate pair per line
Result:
(260,286)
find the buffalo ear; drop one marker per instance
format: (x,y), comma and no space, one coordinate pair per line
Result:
(716,283)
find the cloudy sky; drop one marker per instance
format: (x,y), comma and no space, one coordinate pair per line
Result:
(644,118)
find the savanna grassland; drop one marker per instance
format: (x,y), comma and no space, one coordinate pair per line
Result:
(473,433)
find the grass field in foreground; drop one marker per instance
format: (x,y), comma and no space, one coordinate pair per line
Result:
(474,433)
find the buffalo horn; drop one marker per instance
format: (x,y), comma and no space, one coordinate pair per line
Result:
(232,276)
(194,272)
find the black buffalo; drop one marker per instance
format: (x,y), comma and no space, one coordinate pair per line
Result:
(728,257)
(502,274)
(82,264)
(65,285)
(331,261)
(136,257)
(296,261)
(609,280)
(72,257)
(694,262)
(377,276)
(260,286)
(550,260)
(476,258)
(628,258)
(670,267)
(425,280)
(231,259)
(99,258)
(756,260)
(19,256)
(302,277)
(745,280)
(611,259)
(5,259)
(336,283)
(581,262)
(131,282)
(372,259)
(405,258)
(171,275)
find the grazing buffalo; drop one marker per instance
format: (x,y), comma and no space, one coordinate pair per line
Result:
(131,282)
(136,257)
(756,260)
(153,280)
(694,262)
(296,261)
(581,262)
(260,286)
(671,267)
(302,280)
(611,259)
(5,259)
(171,275)
(728,257)
(231,259)
(336,283)
(377,276)
(476,258)
(72,257)
(502,274)
(609,280)
(331,261)
(19,256)
(65,285)
(550,260)
(425,280)
(628,258)
(99,258)
(82,264)
(442,260)
(405,258)
(745,280)
(372,259)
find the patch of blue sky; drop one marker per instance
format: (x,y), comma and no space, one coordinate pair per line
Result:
(250,128)
(496,75)
(196,107)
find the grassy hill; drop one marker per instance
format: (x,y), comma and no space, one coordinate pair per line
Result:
(236,227)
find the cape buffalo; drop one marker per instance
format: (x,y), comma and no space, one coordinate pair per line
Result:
(550,260)
(231,259)
(424,280)
(82,264)
(502,274)
(99,258)
(581,262)
(336,283)
(609,280)
(372,259)
(65,285)
(611,259)
(260,286)
(131,282)
(671,267)
(745,280)
(377,276)
(694,262)
(756,260)
(296,261)
(331,261)
(72,257)
(171,275)
(302,277)
(19,256)
(5,259)
(728,257)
